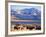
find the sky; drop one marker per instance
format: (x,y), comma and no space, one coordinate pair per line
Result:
(15,7)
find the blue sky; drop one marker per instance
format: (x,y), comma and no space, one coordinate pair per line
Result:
(14,7)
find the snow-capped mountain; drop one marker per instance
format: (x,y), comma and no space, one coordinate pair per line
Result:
(27,14)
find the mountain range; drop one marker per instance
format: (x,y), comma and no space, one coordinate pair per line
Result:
(27,14)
